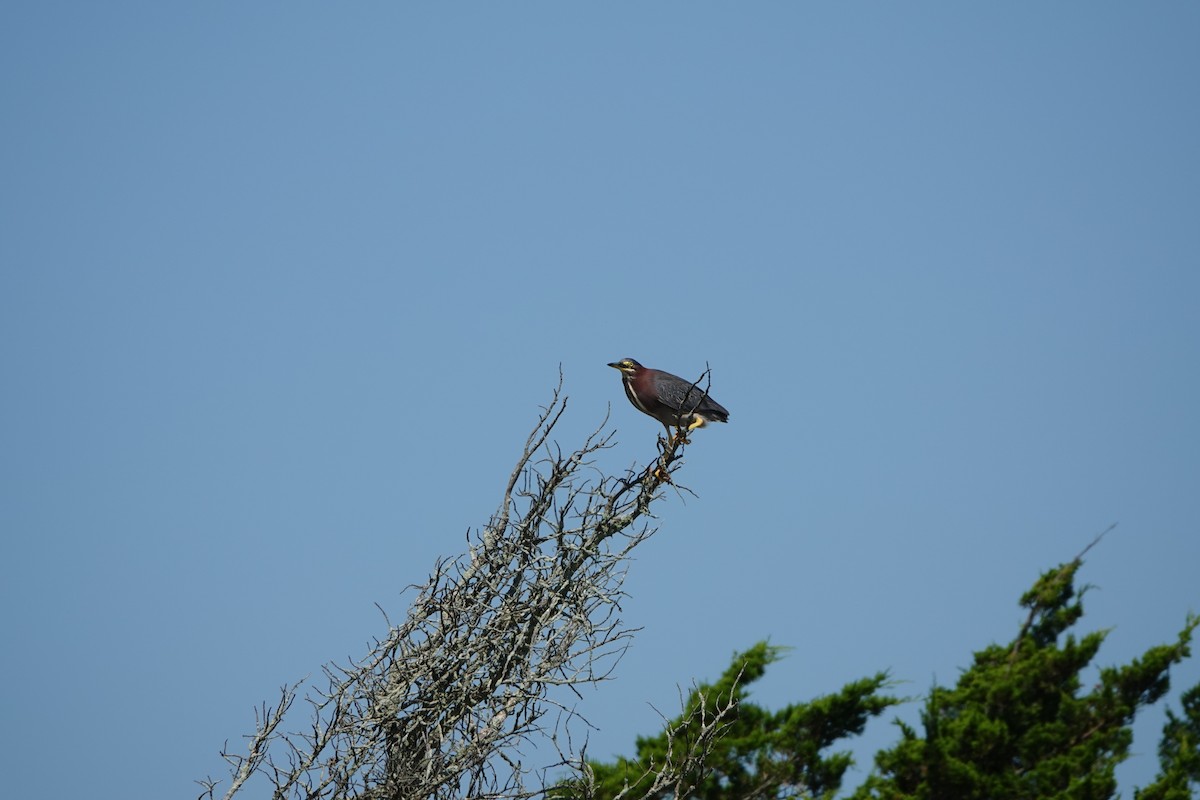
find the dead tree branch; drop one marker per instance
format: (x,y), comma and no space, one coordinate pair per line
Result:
(443,705)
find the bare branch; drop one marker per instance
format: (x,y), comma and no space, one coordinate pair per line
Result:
(494,640)
(689,740)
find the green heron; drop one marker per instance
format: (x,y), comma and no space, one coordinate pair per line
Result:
(670,399)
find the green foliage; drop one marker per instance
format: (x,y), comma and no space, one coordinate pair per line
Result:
(760,753)
(1178,753)
(1017,725)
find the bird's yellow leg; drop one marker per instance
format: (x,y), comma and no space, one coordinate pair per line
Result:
(681,433)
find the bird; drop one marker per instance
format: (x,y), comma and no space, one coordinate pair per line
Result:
(670,399)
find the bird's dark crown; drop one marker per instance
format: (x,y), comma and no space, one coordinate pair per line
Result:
(626,365)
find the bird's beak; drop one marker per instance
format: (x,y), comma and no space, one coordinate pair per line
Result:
(614,365)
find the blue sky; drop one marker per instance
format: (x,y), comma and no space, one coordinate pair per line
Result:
(282,287)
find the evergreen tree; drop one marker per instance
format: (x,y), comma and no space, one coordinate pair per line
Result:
(758,754)
(1017,724)
(1178,753)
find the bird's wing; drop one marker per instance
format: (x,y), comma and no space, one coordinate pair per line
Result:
(678,393)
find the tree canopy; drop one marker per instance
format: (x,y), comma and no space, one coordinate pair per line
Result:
(758,753)
(1017,724)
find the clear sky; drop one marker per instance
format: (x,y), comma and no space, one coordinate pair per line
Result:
(282,286)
